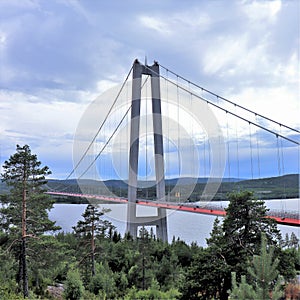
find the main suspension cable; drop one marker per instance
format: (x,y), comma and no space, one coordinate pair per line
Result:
(229,101)
(234,114)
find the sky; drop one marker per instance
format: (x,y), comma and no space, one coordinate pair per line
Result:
(58,56)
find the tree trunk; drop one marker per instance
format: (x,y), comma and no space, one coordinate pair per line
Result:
(93,248)
(20,271)
(225,288)
(24,268)
(24,232)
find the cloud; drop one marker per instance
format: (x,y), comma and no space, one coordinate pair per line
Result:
(27,120)
(266,101)
(261,11)
(155,24)
(57,56)
(177,23)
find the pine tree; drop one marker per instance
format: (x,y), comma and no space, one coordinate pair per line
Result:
(24,211)
(92,226)
(264,272)
(266,283)
(246,218)
(232,242)
(241,291)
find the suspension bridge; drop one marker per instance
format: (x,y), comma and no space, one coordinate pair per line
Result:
(158,125)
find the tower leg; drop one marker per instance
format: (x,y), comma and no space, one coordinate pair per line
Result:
(134,148)
(160,221)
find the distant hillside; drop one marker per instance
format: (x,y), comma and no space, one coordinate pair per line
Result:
(286,181)
(286,186)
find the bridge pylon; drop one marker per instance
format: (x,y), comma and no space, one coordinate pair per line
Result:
(159,220)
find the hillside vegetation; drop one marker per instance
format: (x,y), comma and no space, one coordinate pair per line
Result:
(281,187)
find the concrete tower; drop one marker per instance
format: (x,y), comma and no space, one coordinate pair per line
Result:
(160,220)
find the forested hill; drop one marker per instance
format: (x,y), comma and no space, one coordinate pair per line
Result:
(280,187)
(286,186)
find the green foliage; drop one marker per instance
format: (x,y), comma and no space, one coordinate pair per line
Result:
(23,172)
(92,221)
(7,266)
(7,294)
(265,279)
(245,220)
(230,246)
(241,291)
(153,292)
(24,210)
(8,285)
(87,230)
(73,286)
(103,282)
(147,268)
(264,272)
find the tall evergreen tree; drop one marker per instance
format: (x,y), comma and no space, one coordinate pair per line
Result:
(92,226)
(246,218)
(24,211)
(231,244)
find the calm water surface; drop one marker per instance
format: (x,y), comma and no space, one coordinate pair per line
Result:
(189,227)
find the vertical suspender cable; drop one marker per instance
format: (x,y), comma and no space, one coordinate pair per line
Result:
(279,172)
(178,135)
(168,130)
(278,157)
(251,152)
(204,150)
(146,154)
(204,156)
(282,169)
(178,127)
(237,148)
(282,154)
(228,147)
(191,139)
(257,148)
(209,153)
(127,142)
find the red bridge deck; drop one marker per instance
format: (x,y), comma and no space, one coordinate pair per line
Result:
(209,210)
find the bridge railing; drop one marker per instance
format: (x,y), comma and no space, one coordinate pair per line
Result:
(283,214)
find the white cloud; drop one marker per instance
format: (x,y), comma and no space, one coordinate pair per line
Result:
(288,72)
(183,24)
(104,85)
(234,55)
(56,56)
(278,103)
(156,24)
(262,11)
(193,19)
(3,39)
(25,119)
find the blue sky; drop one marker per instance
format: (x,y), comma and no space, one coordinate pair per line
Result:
(58,56)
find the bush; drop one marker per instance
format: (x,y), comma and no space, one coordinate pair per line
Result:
(73,286)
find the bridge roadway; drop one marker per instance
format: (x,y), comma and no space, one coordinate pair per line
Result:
(284,218)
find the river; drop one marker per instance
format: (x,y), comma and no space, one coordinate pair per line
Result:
(189,227)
